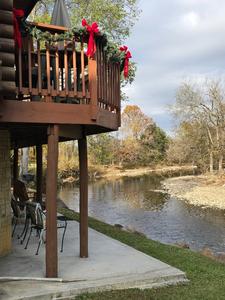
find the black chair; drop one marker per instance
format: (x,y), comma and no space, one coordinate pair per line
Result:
(38,217)
(16,213)
(22,197)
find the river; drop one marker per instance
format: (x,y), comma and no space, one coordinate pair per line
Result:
(139,204)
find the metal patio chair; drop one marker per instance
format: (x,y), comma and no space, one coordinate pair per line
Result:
(38,217)
(22,197)
(16,213)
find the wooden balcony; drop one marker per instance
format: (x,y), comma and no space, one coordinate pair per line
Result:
(59,84)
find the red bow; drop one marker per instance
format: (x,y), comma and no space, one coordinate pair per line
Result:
(17,14)
(93,29)
(126,60)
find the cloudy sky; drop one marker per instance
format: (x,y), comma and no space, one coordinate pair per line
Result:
(173,41)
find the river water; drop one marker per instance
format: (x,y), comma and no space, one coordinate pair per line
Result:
(139,204)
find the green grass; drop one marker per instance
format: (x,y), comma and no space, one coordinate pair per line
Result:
(207,277)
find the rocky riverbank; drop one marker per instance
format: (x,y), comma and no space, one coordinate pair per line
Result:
(203,190)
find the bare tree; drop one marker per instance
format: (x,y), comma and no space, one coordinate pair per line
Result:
(204,105)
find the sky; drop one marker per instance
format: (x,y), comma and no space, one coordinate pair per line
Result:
(174,41)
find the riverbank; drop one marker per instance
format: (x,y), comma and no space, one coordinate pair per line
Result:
(203,190)
(113,172)
(206,275)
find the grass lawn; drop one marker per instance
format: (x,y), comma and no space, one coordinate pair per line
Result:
(207,277)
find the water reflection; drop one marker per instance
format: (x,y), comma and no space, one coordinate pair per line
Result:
(138,203)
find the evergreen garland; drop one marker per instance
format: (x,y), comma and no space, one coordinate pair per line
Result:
(79,34)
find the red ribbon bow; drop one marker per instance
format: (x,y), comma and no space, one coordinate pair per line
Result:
(126,60)
(93,29)
(17,14)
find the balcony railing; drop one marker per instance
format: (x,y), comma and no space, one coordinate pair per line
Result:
(62,73)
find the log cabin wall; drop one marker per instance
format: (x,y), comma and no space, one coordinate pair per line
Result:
(7,50)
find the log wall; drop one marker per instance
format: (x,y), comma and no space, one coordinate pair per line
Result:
(7,49)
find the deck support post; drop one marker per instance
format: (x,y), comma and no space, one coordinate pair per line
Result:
(83,165)
(39,174)
(51,206)
(15,166)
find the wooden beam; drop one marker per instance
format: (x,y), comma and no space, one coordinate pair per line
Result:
(39,173)
(83,165)
(51,207)
(48,27)
(70,131)
(44,113)
(54,113)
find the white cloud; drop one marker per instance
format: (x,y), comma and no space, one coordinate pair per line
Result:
(174,40)
(191,20)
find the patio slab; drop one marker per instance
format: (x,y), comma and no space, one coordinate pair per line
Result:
(111,265)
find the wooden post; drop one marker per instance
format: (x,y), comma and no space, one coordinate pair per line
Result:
(83,165)
(51,207)
(39,173)
(93,86)
(15,165)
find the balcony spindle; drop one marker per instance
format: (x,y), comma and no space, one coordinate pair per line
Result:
(39,68)
(66,68)
(74,69)
(105,79)
(82,71)
(20,73)
(98,66)
(101,70)
(117,85)
(57,69)
(48,99)
(113,86)
(29,65)
(108,89)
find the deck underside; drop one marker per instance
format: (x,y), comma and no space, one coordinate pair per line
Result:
(28,121)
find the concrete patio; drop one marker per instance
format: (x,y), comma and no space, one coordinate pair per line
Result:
(111,265)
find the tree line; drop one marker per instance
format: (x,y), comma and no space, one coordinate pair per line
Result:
(199,137)
(139,142)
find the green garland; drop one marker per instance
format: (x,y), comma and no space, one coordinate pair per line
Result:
(111,49)
(46,36)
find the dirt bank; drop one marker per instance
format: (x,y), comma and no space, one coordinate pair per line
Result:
(203,190)
(112,172)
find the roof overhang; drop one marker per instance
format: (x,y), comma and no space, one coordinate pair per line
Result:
(26,5)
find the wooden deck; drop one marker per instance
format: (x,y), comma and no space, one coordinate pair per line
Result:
(59,84)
